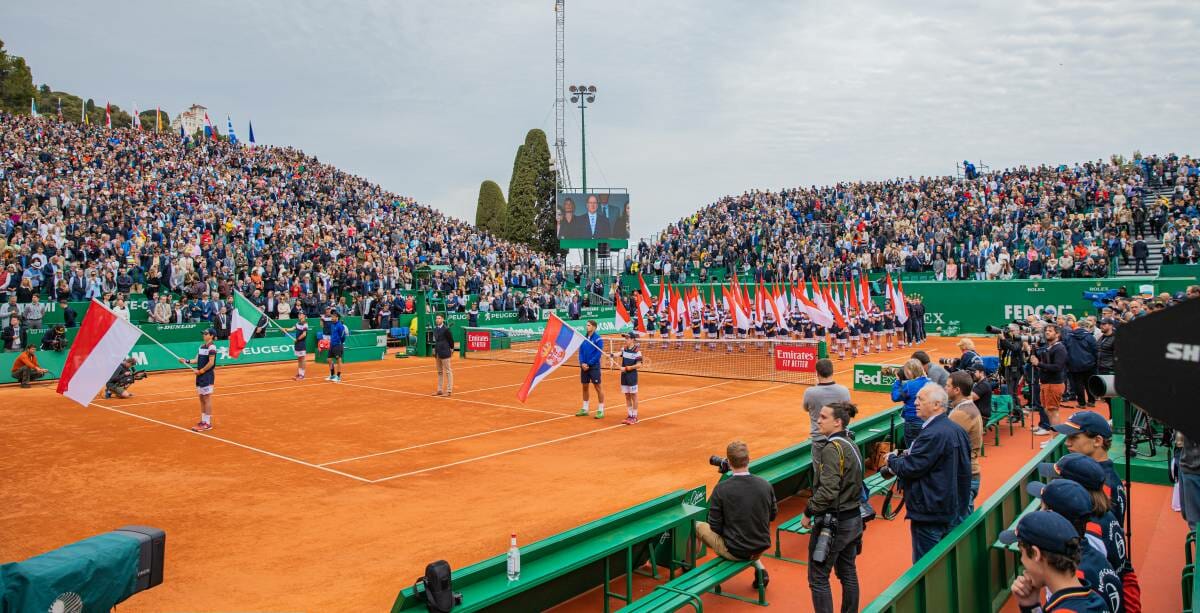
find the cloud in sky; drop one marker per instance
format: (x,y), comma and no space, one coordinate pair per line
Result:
(696,100)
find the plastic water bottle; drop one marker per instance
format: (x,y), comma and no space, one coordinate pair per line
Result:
(514,559)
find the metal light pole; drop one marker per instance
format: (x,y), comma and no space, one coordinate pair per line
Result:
(583,94)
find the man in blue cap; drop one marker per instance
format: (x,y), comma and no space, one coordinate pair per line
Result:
(1050,553)
(1070,500)
(1091,435)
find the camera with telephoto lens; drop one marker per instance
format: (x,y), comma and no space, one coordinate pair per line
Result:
(893,371)
(947,361)
(721,463)
(826,527)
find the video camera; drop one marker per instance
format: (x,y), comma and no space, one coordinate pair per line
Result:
(721,463)
(1100,299)
(133,375)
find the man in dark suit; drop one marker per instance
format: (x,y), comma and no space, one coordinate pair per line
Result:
(443,350)
(1141,253)
(221,323)
(935,473)
(14,335)
(595,224)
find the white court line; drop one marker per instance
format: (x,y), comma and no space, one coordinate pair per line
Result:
(235,444)
(572,436)
(497,430)
(498,387)
(402,369)
(451,399)
(295,386)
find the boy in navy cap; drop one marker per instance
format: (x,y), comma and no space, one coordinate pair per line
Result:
(1103,525)
(1050,552)
(1073,502)
(1091,435)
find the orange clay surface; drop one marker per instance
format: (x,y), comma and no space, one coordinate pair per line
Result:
(317,496)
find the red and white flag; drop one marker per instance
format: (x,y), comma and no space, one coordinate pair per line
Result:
(622,318)
(107,123)
(103,341)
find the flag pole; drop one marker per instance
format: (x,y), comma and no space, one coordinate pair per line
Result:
(612,361)
(143,333)
(264,314)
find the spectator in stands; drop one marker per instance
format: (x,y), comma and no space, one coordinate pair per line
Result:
(935,472)
(740,512)
(964,413)
(26,368)
(837,492)
(1051,362)
(14,335)
(906,389)
(34,312)
(825,393)
(933,370)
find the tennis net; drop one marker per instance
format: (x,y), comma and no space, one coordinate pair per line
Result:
(777,360)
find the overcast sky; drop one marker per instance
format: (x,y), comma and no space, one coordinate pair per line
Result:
(696,99)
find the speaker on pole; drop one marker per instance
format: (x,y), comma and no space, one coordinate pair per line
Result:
(603,249)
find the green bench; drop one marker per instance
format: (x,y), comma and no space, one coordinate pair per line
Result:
(687,589)
(876,484)
(1002,408)
(559,567)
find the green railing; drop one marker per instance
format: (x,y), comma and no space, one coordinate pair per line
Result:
(964,572)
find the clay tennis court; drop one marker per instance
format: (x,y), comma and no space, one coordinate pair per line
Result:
(332,497)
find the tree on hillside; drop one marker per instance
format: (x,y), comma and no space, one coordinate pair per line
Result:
(545,222)
(16,83)
(489,211)
(518,226)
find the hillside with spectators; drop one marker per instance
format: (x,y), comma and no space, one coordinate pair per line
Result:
(96,213)
(1026,222)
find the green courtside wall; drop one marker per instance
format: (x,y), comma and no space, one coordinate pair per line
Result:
(968,307)
(964,573)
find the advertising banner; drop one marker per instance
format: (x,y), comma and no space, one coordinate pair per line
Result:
(796,359)
(870,377)
(479,340)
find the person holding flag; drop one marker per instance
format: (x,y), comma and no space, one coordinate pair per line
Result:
(590,352)
(300,344)
(206,364)
(631,358)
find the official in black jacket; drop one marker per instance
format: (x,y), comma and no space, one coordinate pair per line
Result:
(935,473)
(70,317)
(443,350)
(740,512)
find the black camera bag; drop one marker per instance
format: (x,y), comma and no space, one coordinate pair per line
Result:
(435,586)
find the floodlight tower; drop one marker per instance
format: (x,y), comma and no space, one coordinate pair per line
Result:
(583,94)
(560,99)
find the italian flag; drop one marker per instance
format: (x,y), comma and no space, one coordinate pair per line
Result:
(245,320)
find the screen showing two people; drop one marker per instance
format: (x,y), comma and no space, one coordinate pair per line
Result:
(592,216)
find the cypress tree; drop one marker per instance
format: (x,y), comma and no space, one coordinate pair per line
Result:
(489,212)
(518,223)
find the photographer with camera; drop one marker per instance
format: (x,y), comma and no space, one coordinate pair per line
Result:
(933,370)
(905,388)
(833,510)
(1082,351)
(1051,363)
(740,512)
(1012,359)
(935,472)
(969,357)
(122,378)
(55,338)
(981,391)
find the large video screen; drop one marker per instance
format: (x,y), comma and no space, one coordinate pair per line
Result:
(593,216)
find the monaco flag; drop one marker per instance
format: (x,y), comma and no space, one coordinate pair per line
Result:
(622,319)
(103,341)
(245,319)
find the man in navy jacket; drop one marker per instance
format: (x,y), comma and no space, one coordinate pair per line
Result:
(935,473)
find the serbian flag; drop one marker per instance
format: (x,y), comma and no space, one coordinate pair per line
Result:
(559,342)
(103,341)
(245,319)
(622,319)
(212,131)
